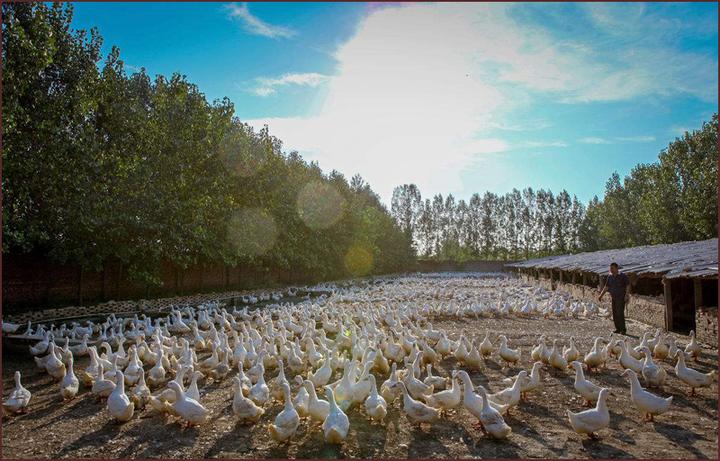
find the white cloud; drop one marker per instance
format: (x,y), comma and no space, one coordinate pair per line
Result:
(267,86)
(636,138)
(255,25)
(594,140)
(420,91)
(535,144)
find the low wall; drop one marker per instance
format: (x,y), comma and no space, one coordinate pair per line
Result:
(466,266)
(706,324)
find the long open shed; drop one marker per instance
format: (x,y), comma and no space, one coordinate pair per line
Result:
(681,276)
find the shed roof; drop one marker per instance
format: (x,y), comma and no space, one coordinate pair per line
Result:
(685,259)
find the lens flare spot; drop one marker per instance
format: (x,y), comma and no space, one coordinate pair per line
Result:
(253,231)
(359,260)
(320,205)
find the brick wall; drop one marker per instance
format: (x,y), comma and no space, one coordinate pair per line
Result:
(32,282)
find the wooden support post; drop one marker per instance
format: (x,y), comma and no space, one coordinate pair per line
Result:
(668,305)
(697,285)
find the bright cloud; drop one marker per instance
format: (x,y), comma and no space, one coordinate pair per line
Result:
(255,25)
(268,86)
(636,138)
(594,140)
(423,92)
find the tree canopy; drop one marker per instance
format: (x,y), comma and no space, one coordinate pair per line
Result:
(100,164)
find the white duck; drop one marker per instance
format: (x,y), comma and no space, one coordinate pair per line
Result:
(69,385)
(446,399)
(626,360)
(472,401)
(140,395)
(118,404)
(588,391)
(528,384)
(336,424)
(692,378)
(416,411)
(491,421)
(244,409)
(594,358)
(19,398)
(102,387)
(648,403)
(186,408)
(375,404)
(509,396)
(259,392)
(287,421)
(693,349)
(317,408)
(388,389)
(510,356)
(654,374)
(571,352)
(592,420)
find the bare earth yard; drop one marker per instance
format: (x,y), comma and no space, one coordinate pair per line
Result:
(83,428)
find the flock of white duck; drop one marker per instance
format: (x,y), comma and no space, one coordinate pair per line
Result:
(379,340)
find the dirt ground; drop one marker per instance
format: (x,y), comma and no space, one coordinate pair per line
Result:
(83,428)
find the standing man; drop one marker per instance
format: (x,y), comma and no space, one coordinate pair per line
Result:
(618,285)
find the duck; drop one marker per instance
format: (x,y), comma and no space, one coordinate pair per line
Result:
(190,410)
(322,376)
(336,424)
(486,347)
(691,377)
(417,411)
(388,389)
(287,421)
(556,360)
(474,359)
(54,366)
(594,358)
(156,375)
(693,349)
(70,384)
(19,398)
(375,404)
(491,421)
(317,408)
(530,383)
(648,403)
(472,401)
(140,395)
(245,382)
(118,404)
(571,353)
(414,386)
(589,391)
(259,392)
(661,349)
(302,398)
(509,396)
(243,408)
(654,375)
(591,421)
(437,382)
(192,391)
(539,352)
(510,356)
(102,387)
(626,360)
(277,392)
(447,399)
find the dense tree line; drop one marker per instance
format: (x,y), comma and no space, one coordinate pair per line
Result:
(100,165)
(520,224)
(672,200)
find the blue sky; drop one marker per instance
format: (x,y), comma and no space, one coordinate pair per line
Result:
(457,98)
